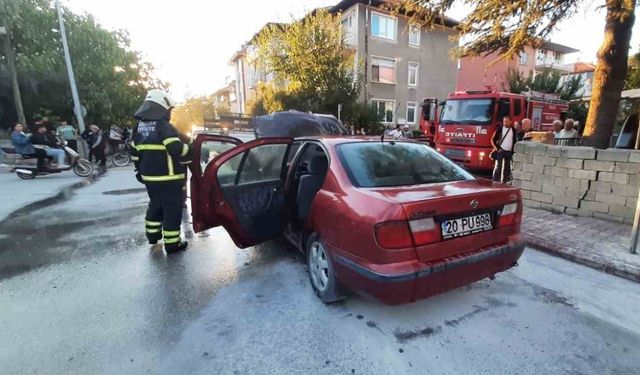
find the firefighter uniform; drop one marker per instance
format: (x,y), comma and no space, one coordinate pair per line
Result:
(160,158)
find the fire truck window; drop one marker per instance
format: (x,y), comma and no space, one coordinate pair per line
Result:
(517,108)
(504,108)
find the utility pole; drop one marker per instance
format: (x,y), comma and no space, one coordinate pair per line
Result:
(11,66)
(77,108)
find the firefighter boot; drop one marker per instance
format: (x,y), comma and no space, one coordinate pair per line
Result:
(172,248)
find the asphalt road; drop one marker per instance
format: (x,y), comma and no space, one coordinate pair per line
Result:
(82,293)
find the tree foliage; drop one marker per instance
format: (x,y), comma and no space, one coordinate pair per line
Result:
(632,81)
(507,27)
(312,67)
(112,78)
(548,81)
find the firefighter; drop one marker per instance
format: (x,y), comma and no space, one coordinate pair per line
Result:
(160,157)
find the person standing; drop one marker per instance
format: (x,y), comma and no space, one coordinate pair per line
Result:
(157,152)
(98,145)
(568,131)
(87,135)
(68,133)
(557,128)
(503,141)
(525,129)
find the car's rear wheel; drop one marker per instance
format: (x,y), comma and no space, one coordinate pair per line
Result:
(321,272)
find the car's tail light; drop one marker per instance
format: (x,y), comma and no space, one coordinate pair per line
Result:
(393,235)
(425,231)
(509,215)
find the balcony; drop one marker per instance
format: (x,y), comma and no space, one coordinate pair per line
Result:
(554,64)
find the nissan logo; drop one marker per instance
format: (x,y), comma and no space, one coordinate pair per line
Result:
(474,203)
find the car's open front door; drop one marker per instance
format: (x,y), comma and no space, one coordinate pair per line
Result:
(245,186)
(206,148)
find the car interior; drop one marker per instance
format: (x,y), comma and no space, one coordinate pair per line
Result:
(309,172)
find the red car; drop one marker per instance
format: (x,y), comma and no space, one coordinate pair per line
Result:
(393,220)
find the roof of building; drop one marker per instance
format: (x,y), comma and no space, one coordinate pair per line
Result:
(583,67)
(551,46)
(346,4)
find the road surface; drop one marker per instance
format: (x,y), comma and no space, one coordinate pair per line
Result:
(82,293)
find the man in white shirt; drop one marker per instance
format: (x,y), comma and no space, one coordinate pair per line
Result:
(503,141)
(568,131)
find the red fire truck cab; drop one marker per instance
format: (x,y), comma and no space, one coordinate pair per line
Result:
(469,118)
(429,120)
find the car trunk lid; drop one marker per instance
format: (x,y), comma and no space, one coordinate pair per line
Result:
(467,203)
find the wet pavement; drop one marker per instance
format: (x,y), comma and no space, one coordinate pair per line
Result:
(81,292)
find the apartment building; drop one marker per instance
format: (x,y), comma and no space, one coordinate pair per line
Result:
(246,73)
(585,72)
(476,73)
(403,63)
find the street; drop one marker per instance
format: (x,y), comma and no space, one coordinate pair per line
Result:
(81,292)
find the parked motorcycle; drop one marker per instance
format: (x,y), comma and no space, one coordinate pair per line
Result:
(27,168)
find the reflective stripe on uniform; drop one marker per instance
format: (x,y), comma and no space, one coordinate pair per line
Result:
(170,165)
(135,158)
(171,233)
(174,177)
(170,140)
(151,148)
(152,230)
(172,240)
(153,223)
(185,150)
(185,162)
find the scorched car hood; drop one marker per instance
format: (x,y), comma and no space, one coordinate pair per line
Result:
(295,124)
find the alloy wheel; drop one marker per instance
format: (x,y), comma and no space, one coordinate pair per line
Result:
(318,266)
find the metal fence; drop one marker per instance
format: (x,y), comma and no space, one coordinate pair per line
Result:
(568,141)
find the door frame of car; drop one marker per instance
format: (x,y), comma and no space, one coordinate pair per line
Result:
(217,205)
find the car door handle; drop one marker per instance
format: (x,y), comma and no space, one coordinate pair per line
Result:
(272,195)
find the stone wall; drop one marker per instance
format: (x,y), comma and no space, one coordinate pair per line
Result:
(578,181)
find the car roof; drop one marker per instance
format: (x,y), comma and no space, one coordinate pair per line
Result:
(334,140)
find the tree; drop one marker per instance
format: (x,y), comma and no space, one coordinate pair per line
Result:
(632,81)
(312,67)
(507,27)
(112,78)
(548,81)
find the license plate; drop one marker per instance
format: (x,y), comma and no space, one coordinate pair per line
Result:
(466,226)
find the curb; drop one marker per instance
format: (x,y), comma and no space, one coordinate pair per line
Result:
(600,266)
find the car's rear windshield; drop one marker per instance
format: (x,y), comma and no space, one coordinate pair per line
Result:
(385,164)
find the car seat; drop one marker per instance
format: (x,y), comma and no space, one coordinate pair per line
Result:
(310,184)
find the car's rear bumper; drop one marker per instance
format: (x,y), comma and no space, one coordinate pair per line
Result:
(411,281)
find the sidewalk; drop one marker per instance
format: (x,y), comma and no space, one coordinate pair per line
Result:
(595,243)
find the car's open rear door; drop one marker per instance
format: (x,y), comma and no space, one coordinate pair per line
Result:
(245,190)
(206,148)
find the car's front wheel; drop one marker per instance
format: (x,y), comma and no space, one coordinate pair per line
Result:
(321,271)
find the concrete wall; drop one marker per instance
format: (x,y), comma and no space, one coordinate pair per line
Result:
(578,180)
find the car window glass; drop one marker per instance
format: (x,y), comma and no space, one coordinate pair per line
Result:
(378,164)
(263,163)
(210,149)
(228,171)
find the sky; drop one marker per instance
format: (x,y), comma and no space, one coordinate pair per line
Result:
(190,42)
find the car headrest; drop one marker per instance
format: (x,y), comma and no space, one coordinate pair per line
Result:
(318,165)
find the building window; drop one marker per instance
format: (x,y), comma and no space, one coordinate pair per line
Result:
(383,26)
(383,70)
(414,36)
(348,29)
(384,108)
(413,74)
(412,112)
(523,58)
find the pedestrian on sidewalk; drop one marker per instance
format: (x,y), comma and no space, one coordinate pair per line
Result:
(568,131)
(68,133)
(158,152)
(525,129)
(557,128)
(98,145)
(503,141)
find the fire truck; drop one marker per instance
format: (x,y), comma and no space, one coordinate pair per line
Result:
(469,118)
